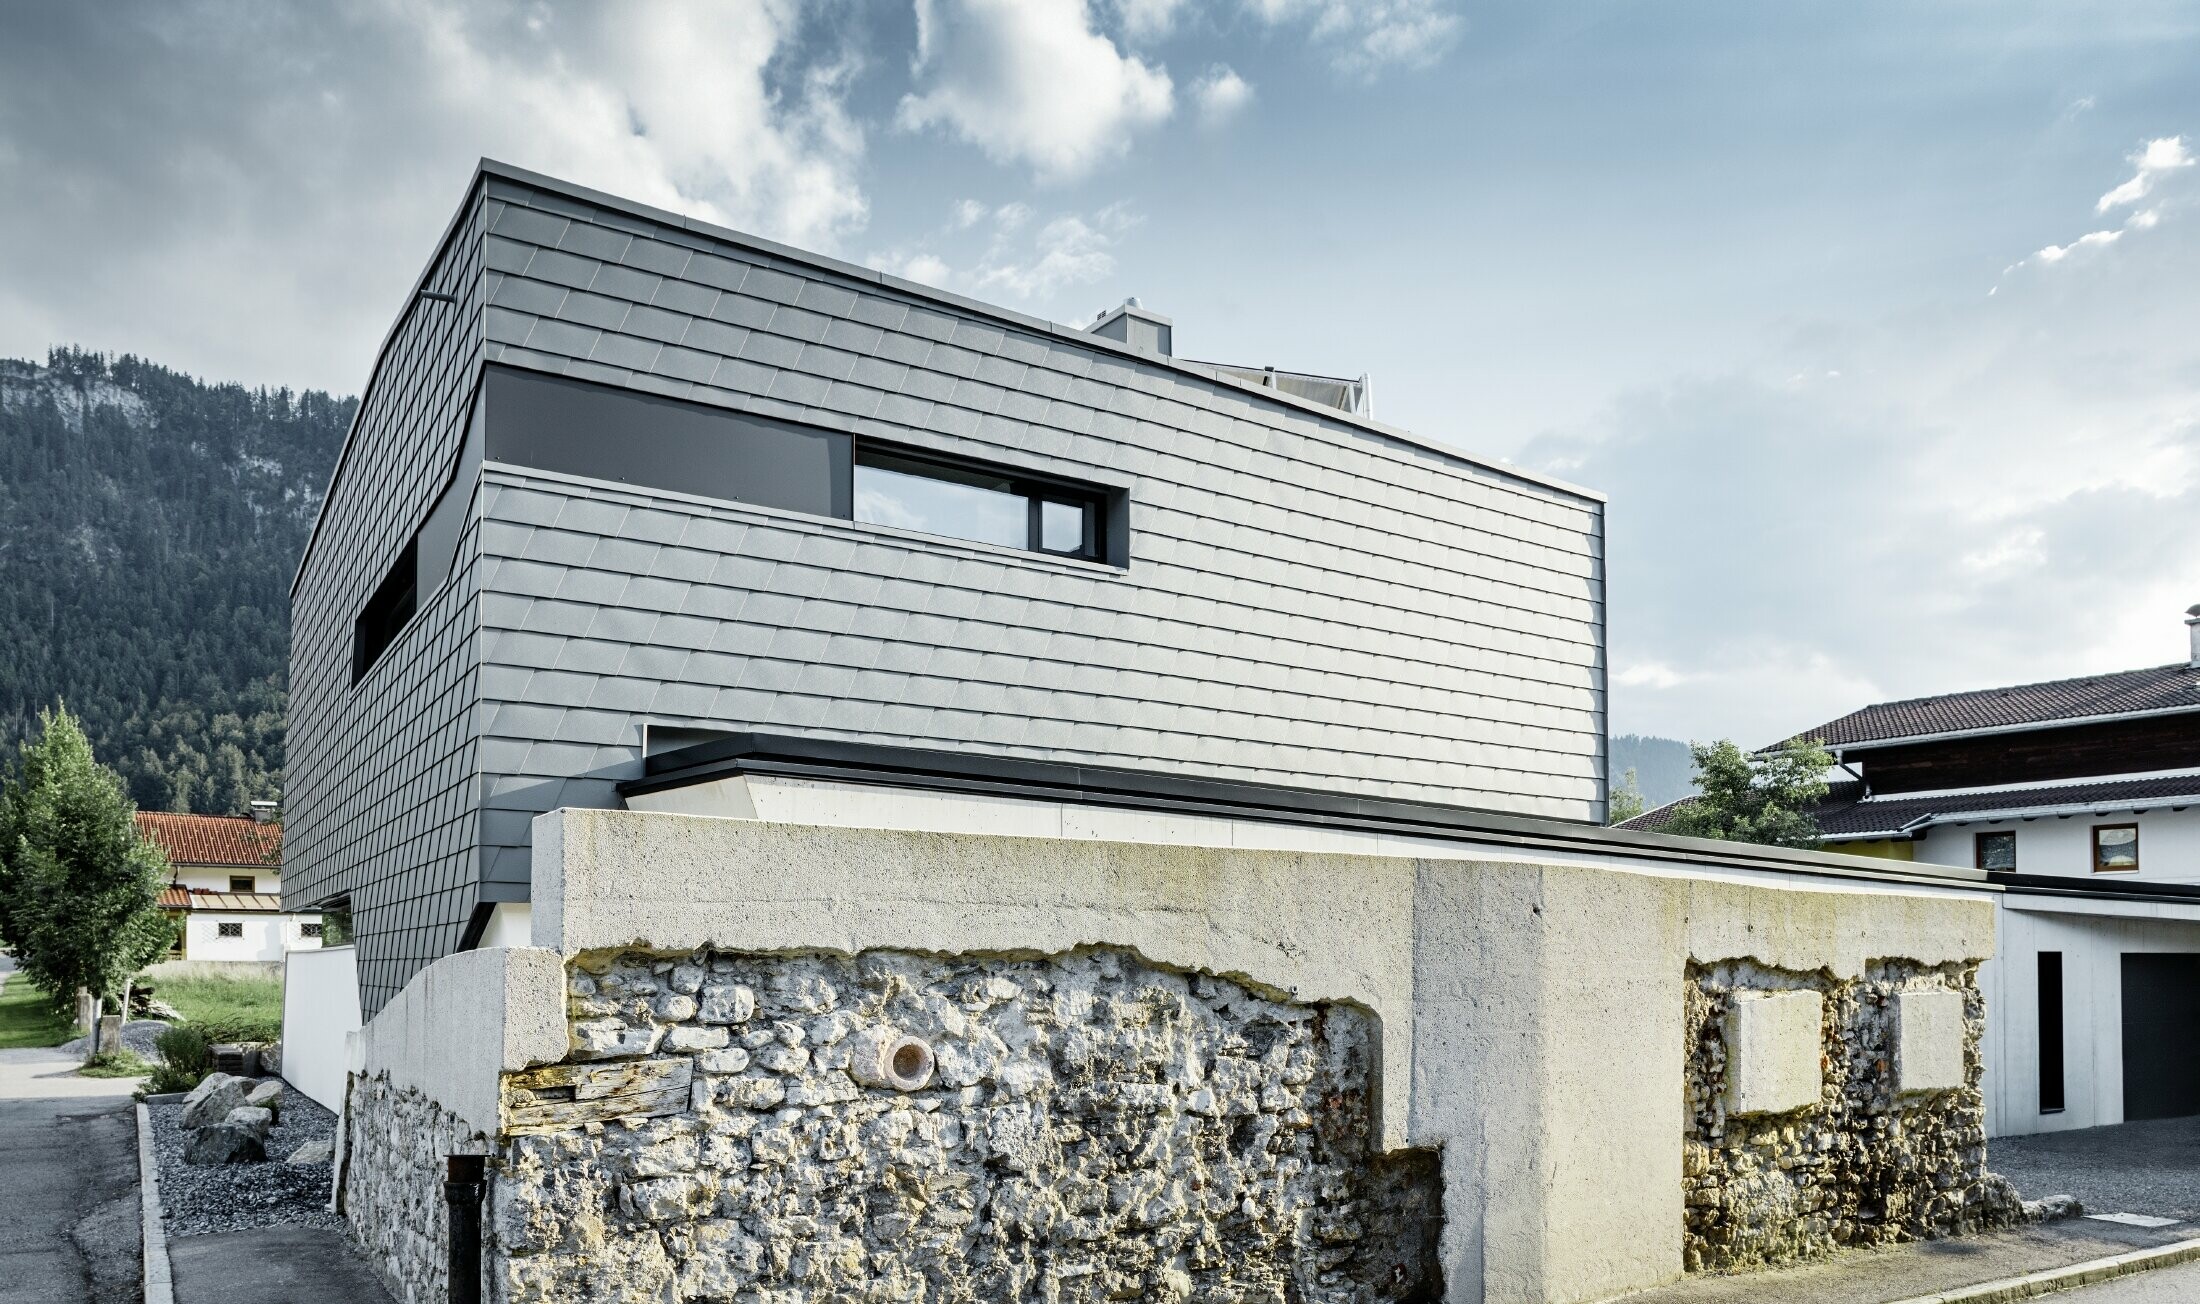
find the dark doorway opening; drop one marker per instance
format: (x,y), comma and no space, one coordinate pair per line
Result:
(2161,1036)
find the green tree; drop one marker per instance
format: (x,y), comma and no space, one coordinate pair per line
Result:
(79,888)
(1627,800)
(1767,798)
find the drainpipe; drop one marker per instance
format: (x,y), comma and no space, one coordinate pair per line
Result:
(462,1189)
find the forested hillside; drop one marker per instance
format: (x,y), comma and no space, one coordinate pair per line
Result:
(149,527)
(1664,769)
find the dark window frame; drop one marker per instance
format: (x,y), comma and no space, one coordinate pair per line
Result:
(1102,507)
(2131,868)
(229,928)
(1978,848)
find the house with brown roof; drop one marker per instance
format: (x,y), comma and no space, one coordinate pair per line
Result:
(2081,799)
(226,891)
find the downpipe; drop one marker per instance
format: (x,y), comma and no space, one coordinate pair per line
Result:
(464,1182)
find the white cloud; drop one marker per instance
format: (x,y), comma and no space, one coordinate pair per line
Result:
(2090,240)
(1147,20)
(1067,251)
(1012,216)
(264,181)
(1650,674)
(1221,95)
(1366,37)
(1030,82)
(969,213)
(2167,154)
(918,265)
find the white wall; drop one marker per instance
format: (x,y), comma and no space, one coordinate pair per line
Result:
(320,1010)
(217,879)
(2169,844)
(2093,937)
(264,937)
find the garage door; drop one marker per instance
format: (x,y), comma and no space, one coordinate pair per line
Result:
(2161,1036)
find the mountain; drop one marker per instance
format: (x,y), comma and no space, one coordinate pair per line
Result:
(149,527)
(1664,769)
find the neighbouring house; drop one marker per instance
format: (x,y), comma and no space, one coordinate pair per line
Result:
(227,884)
(2081,799)
(835,783)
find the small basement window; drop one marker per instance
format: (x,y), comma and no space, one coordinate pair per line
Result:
(310,930)
(2115,848)
(242,883)
(980,503)
(1997,850)
(229,930)
(383,618)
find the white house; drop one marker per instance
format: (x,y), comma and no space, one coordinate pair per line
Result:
(227,885)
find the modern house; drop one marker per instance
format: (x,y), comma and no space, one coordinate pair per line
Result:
(802,754)
(2081,798)
(226,889)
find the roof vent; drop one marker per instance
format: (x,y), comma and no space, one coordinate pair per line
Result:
(1133,325)
(263,812)
(2192,626)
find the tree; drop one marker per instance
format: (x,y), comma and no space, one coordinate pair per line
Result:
(79,887)
(1627,800)
(1769,798)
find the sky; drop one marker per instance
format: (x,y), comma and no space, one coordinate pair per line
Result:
(1879,323)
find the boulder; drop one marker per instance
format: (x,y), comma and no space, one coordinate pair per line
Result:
(210,1101)
(268,1095)
(251,1118)
(313,1152)
(223,1144)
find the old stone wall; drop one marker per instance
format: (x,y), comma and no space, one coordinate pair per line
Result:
(1866,1162)
(1083,1126)
(390,1184)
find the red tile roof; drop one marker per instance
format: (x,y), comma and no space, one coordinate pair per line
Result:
(235,840)
(2159,688)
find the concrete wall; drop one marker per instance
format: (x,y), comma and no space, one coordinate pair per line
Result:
(320,1012)
(461,1023)
(1531,1014)
(2093,937)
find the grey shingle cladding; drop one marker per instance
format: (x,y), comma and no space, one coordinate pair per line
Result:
(1308,602)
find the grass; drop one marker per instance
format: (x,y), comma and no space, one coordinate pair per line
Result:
(115,1064)
(242,1004)
(27,1018)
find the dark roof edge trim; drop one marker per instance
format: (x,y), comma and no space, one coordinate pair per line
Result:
(1022,321)
(2103,890)
(994,775)
(2033,726)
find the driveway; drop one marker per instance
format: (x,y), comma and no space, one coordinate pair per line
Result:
(2150,1168)
(68,1181)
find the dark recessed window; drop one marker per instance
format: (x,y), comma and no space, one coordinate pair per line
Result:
(981,504)
(2115,848)
(242,883)
(1997,850)
(309,930)
(386,612)
(228,930)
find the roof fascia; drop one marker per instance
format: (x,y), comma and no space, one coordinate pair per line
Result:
(1842,750)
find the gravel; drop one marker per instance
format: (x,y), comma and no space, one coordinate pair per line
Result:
(2150,1167)
(137,1034)
(231,1197)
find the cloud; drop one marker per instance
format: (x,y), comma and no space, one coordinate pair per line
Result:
(1147,20)
(1367,37)
(919,265)
(1068,251)
(261,183)
(2090,240)
(2165,155)
(1221,95)
(1031,83)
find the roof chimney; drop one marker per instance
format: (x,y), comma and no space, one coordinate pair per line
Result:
(263,812)
(1133,325)
(2192,626)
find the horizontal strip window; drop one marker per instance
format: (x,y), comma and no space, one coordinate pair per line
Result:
(980,503)
(604,432)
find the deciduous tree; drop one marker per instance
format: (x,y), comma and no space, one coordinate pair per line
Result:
(1769,797)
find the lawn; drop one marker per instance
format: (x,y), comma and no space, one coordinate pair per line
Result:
(27,1018)
(244,1004)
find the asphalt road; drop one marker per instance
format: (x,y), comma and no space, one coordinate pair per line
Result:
(68,1182)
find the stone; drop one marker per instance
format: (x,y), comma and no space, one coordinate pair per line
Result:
(1928,1041)
(223,1144)
(313,1152)
(725,1002)
(613,1038)
(267,1095)
(251,1119)
(1773,1052)
(210,1101)
(696,1039)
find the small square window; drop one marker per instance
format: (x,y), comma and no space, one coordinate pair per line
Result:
(228,930)
(2115,848)
(242,883)
(310,930)
(1998,850)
